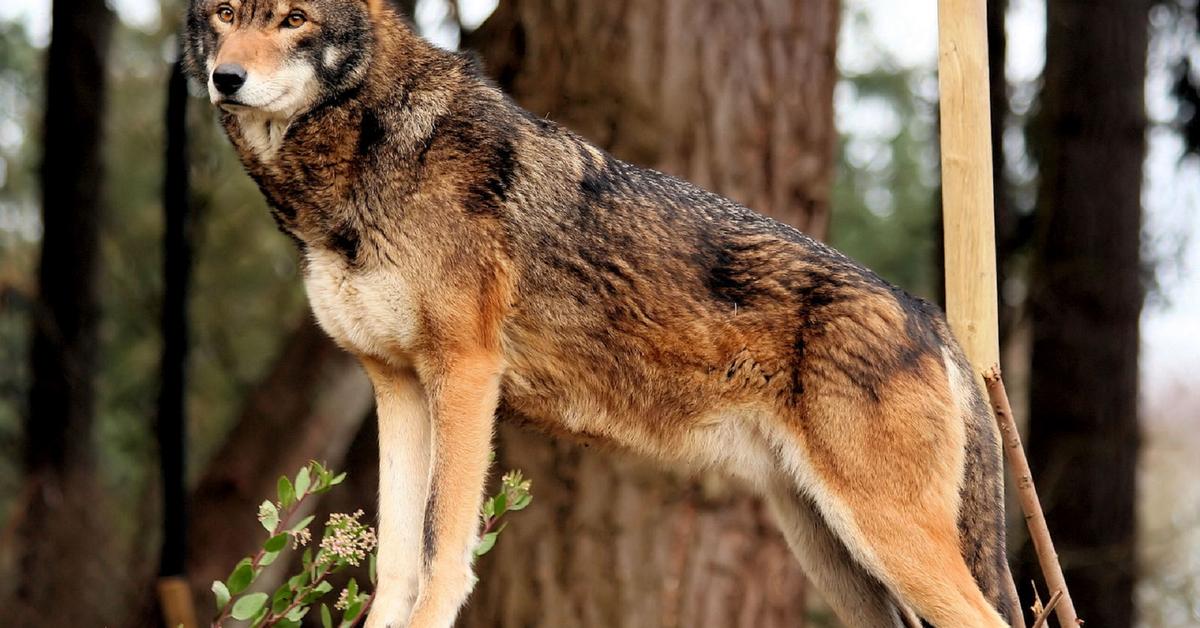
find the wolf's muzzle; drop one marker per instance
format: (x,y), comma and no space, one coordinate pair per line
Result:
(228,78)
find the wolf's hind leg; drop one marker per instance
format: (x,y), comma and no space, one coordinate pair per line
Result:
(922,561)
(404,446)
(857,597)
(910,542)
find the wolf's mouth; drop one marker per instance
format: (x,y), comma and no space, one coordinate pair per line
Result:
(230,104)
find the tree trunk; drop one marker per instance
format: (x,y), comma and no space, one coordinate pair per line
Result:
(61,541)
(171,425)
(1006,216)
(1087,296)
(737,97)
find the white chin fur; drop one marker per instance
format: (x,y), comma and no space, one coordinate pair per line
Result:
(281,94)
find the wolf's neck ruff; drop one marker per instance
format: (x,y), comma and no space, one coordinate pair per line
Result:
(260,134)
(390,95)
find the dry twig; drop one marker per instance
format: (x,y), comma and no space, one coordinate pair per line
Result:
(1044,614)
(1039,533)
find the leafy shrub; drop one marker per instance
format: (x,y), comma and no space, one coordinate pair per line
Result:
(345,542)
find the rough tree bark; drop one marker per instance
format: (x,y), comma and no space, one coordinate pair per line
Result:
(737,97)
(1087,296)
(61,540)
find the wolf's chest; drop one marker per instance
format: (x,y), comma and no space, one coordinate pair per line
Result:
(367,312)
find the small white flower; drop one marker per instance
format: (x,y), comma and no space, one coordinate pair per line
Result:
(347,539)
(300,538)
(264,511)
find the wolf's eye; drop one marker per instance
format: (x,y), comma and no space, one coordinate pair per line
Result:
(225,13)
(295,19)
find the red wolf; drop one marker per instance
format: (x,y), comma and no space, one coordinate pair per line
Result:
(481,260)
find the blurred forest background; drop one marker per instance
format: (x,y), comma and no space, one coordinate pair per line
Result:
(143,283)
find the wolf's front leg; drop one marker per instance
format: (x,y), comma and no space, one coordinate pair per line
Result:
(463,393)
(404,445)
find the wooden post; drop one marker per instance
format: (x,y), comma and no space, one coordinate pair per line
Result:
(970,242)
(968,208)
(175,602)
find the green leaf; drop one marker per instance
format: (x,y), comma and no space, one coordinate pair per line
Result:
(486,543)
(351,612)
(287,494)
(316,593)
(326,618)
(259,617)
(298,581)
(338,479)
(521,502)
(268,515)
(282,598)
(241,577)
(268,558)
(352,589)
(324,477)
(222,592)
(249,606)
(302,524)
(501,503)
(276,543)
(306,558)
(489,507)
(371,567)
(298,613)
(303,481)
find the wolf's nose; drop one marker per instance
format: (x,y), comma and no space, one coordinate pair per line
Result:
(228,77)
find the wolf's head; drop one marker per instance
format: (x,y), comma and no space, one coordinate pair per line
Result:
(278,58)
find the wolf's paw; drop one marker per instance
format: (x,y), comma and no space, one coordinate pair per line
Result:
(392,606)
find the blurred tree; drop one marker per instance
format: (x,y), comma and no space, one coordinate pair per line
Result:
(1087,294)
(1012,228)
(20,231)
(171,417)
(887,179)
(1186,89)
(737,97)
(63,515)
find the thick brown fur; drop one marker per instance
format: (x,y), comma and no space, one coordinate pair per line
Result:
(479,259)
